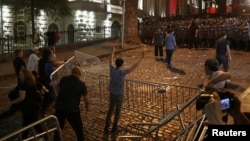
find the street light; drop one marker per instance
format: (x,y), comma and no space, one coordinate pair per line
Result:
(123,21)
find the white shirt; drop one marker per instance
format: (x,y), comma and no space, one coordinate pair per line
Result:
(33,62)
(219,84)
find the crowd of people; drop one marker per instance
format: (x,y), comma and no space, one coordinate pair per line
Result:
(200,31)
(33,93)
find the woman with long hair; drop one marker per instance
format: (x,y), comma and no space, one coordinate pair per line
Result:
(29,99)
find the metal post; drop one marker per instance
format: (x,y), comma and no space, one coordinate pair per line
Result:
(1,41)
(123,22)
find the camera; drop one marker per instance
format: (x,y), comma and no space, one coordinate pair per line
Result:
(226,100)
(203,100)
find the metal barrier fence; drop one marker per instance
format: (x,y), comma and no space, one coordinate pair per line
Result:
(90,65)
(166,112)
(10,44)
(61,71)
(173,126)
(154,99)
(49,125)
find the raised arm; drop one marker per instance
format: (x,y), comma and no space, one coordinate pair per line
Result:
(220,77)
(112,56)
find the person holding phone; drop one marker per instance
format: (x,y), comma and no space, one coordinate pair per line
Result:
(214,109)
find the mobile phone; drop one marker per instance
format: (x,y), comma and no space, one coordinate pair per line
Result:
(225,104)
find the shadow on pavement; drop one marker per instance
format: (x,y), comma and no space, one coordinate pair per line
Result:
(178,71)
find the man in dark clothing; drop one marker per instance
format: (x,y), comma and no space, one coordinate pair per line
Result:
(49,97)
(223,54)
(51,37)
(41,64)
(71,88)
(193,30)
(158,40)
(18,63)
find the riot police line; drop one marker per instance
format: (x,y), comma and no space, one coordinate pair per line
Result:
(208,31)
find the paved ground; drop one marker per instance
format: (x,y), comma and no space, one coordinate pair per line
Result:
(187,71)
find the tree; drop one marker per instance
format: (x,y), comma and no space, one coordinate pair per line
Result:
(131,23)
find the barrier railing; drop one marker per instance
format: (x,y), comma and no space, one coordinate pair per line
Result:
(184,130)
(89,65)
(154,99)
(165,111)
(63,70)
(49,124)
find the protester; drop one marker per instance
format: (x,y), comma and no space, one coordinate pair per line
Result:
(71,88)
(215,78)
(223,54)
(14,94)
(158,41)
(51,37)
(41,64)
(214,113)
(49,96)
(19,63)
(33,59)
(116,88)
(170,46)
(29,99)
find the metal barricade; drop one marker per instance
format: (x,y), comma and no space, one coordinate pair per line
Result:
(155,99)
(61,71)
(50,126)
(165,110)
(174,126)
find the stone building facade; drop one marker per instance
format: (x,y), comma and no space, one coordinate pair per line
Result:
(91,20)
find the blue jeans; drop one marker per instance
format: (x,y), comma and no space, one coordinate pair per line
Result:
(169,54)
(116,102)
